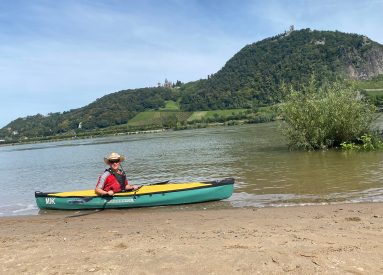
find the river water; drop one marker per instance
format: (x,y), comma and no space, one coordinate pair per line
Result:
(266,172)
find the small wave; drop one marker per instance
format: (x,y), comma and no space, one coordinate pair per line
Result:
(297,204)
(27,208)
(370,199)
(18,209)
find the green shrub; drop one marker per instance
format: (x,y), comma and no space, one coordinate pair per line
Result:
(325,117)
(366,142)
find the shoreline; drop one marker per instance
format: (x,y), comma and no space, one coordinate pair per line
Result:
(335,238)
(159,130)
(134,132)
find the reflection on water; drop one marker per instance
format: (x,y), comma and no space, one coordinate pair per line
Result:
(266,172)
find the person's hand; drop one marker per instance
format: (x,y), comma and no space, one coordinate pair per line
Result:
(110,193)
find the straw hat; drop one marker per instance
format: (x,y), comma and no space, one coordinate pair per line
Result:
(113,156)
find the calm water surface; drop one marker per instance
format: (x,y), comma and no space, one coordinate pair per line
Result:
(266,172)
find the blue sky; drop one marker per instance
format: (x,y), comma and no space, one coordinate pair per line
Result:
(60,55)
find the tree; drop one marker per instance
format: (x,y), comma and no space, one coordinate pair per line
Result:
(325,117)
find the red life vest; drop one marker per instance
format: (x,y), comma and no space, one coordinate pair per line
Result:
(111,180)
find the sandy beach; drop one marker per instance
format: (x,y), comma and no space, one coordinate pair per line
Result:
(340,239)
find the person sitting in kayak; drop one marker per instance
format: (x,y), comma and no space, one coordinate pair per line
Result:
(113,180)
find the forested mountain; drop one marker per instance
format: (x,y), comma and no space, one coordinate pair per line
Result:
(251,78)
(255,74)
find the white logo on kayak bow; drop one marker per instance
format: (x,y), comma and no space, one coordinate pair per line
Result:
(50,200)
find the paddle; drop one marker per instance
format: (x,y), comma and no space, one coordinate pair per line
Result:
(108,198)
(141,185)
(158,183)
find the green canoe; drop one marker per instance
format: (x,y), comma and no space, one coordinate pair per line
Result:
(147,195)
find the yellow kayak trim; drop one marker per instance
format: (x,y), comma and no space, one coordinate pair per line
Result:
(146,189)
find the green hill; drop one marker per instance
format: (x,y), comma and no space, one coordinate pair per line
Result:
(255,74)
(252,78)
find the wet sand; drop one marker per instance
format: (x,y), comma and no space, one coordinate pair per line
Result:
(340,239)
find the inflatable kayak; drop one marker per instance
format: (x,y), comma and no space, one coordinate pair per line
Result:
(147,195)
